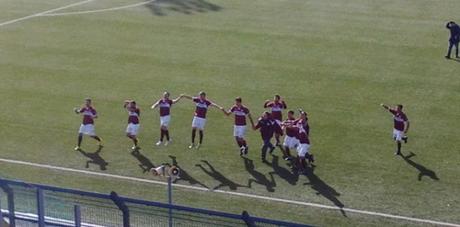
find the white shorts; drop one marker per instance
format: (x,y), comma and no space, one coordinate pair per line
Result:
(198,123)
(132,129)
(302,149)
(398,135)
(164,121)
(87,129)
(290,142)
(239,131)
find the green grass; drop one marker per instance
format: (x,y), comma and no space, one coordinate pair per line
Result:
(337,59)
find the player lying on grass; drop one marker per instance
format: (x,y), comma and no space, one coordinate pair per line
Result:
(166,170)
(239,129)
(267,127)
(199,120)
(165,105)
(133,122)
(277,106)
(401,125)
(87,126)
(290,138)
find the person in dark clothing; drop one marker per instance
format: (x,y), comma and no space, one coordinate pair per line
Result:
(454,38)
(268,127)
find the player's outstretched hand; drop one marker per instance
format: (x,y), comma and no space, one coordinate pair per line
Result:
(75,110)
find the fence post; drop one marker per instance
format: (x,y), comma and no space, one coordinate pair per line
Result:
(247,219)
(10,196)
(40,208)
(122,206)
(170,201)
(77,215)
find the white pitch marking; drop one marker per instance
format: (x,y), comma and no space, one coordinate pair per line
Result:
(97,10)
(44,12)
(420,220)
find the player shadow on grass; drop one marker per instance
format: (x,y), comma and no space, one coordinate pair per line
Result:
(323,189)
(224,181)
(95,158)
(144,163)
(184,176)
(160,7)
(455,59)
(282,172)
(423,171)
(259,177)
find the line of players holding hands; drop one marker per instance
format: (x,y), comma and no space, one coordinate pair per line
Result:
(269,124)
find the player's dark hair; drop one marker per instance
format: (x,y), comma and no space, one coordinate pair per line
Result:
(133,102)
(238,99)
(291,111)
(277,96)
(88,99)
(267,113)
(202,93)
(400,106)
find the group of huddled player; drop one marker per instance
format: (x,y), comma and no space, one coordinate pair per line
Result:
(270,125)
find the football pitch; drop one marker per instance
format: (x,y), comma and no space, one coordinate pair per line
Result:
(336,59)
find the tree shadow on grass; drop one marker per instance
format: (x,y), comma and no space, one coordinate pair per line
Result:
(323,189)
(184,176)
(224,181)
(144,163)
(189,7)
(95,158)
(423,171)
(259,177)
(282,172)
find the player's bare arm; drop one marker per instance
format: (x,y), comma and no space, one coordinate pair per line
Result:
(217,106)
(406,127)
(155,105)
(126,104)
(226,112)
(77,110)
(186,96)
(174,101)
(250,119)
(284,104)
(267,103)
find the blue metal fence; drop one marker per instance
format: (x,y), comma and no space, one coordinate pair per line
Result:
(24,204)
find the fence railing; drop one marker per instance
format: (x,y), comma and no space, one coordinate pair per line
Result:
(24,204)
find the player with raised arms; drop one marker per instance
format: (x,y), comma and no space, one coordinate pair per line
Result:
(290,139)
(239,129)
(165,105)
(267,127)
(133,122)
(87,127)
(454,39)
(199,120)
(303,148)
(277,105)
(401,125)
